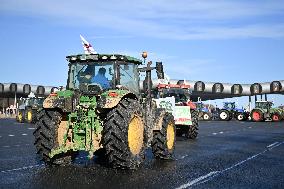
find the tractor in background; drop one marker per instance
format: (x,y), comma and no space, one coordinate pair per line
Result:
(263,111)
(28,108)
(203,112)
(103,110)
(230,111)
(175,98)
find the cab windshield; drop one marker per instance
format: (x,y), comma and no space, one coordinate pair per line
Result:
(129,76)
(105,74)
(88,73)
(229,106)
(180,95)
(263,105)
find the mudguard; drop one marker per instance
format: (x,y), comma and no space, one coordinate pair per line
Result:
(111,98)
(60,99)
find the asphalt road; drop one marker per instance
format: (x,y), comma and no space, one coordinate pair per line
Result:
(225,155)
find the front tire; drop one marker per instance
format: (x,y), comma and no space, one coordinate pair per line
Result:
(163,143)
(123,135)
(48,137)
(275,117)
(193,129)
(206,117)
(30,115)
(240,117)
(20,116)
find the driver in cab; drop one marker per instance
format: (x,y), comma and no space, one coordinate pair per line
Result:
(101,79)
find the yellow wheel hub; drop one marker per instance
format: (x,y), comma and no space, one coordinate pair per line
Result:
(170,136)
(20,117)
(29,115)
(135,135)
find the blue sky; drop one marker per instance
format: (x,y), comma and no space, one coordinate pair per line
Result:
(224,41)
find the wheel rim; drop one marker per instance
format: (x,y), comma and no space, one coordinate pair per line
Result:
(135,135)
(223,115)
(275,118)
(20,117)
(170,136)
(206,117)
(29,115)
(240,117)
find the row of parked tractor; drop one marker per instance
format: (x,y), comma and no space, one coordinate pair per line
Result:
(263,111)
(103,109)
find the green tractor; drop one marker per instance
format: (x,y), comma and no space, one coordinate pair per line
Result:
(28,109)
(263,111)
(103,110)
(175,98)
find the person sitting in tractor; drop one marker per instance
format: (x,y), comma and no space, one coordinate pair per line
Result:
(101,79)
(86,75)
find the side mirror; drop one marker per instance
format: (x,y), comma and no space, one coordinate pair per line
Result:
(160,70)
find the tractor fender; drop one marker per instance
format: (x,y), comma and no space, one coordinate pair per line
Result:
(62,100)
(111,98)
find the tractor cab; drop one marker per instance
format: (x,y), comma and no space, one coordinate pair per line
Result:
(95,73)
(265,105)
(180,92)
(201,107)
(229,105)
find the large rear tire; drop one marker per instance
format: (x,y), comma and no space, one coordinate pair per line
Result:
(163,143)
(48,137)
(224,115)
(193,129)
(123,135)
(256,115)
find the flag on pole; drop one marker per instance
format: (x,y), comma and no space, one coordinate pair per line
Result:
(87,46)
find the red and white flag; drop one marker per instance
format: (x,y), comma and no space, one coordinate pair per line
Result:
(87,46)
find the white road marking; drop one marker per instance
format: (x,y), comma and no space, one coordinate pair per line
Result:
(213,174)
(31,128)
(11,135)
(214,133)
(24,134)
(182,157)
(250,127)
(221,132)
(22,168)
(198,180)
(16,145)
(272,145)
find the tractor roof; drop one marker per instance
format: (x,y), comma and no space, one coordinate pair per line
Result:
(263,101)
(102,58)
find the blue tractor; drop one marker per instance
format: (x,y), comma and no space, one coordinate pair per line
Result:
(204,112)
(230,111)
